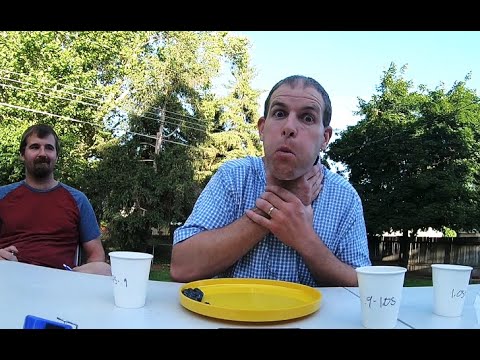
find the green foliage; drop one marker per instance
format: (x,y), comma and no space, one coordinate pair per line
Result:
(11,168)
(414,157)
(449,232)
(60,78)
(185,109)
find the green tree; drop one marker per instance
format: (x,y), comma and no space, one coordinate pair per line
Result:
(194,130)
(66,79)
(414,156)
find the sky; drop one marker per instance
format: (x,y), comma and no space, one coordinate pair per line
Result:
(350,64)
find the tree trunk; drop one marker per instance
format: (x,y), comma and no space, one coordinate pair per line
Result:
(404,249)
(448,251)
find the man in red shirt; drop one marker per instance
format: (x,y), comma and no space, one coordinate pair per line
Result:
(43,221)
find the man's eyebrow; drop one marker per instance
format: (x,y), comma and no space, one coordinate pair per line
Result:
(315,101)
(277,102)
(314,106)
(38,144)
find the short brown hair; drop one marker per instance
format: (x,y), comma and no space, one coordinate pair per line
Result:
(42,131)
(307,81)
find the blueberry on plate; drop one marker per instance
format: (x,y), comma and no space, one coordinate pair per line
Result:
(194,294)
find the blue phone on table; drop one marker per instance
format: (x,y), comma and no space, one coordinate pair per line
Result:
(35,322)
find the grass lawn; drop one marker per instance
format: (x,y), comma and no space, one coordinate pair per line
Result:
(161,272)
(413,281)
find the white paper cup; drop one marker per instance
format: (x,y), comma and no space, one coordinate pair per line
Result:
(130,273)
(450,284)
(380,290)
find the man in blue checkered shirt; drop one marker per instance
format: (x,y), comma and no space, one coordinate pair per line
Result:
(279,216)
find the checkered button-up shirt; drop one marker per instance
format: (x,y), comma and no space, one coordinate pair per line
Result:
(338,221)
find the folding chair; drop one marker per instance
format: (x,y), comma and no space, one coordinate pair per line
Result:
(78,255)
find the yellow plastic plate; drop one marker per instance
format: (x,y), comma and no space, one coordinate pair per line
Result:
(256,300)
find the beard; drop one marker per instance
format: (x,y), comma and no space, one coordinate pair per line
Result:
(41,168)
(41,172)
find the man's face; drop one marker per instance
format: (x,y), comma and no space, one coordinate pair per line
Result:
(293,133)
(40,156)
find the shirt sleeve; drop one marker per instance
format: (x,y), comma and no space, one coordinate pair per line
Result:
(215,208)
(88,227)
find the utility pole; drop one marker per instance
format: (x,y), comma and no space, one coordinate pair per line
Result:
(159,137)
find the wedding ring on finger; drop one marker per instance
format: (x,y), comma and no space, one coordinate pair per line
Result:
(269,213)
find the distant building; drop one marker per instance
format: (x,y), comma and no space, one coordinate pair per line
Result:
(435,234)
(428,233)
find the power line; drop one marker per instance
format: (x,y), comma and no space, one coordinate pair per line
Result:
(94,105)
(102,96)
(58,83)
(158,137)
(42,93)
(84,122)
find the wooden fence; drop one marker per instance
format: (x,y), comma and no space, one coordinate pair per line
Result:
(419,253)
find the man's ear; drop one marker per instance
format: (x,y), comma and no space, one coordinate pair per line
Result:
(327,135)
(260,126)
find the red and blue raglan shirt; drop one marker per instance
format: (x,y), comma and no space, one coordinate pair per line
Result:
(45,226)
